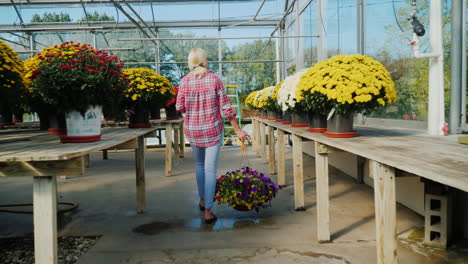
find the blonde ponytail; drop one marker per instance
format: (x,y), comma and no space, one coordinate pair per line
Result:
(198,62)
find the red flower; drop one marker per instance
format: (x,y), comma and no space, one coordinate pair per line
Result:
(66,67)
(74,61)
(49,55)
(101,62)
(218,198)
(35,74)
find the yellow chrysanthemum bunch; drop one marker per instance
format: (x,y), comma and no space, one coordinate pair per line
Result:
(148,87)
(11,75)
(262,100)
(273,98)
(350,83)
(250,100)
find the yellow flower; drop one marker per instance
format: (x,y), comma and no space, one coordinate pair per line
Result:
(355,80)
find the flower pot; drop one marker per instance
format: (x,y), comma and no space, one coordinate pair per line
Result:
(287,118)
(83,128)
(57,124)
(155,113)
(317,122)
(299,120)
(172,113)
(340,126)
(6,118)
(43,120)
(139,117)
(18,116)
(263,114)
(271,115)
(241,207)
(278,116)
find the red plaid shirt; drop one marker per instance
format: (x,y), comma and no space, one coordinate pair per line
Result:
(202,100)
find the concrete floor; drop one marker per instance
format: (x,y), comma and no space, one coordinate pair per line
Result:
(172,230)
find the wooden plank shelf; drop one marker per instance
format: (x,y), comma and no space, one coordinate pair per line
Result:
(392,153)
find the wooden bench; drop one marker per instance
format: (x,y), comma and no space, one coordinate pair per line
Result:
(44,158)
(175,138)
(392,153)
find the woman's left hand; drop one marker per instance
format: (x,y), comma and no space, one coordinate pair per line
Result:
(242,135)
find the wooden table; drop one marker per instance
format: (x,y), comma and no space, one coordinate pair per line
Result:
(178,143)
(44,157)
(392,153)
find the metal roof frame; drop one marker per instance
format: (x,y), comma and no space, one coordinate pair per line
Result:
(105,26)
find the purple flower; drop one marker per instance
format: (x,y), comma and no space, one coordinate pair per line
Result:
(254,189)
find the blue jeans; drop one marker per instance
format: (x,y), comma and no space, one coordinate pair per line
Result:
(206,164)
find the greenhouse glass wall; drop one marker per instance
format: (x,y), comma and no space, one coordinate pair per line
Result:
(253,44)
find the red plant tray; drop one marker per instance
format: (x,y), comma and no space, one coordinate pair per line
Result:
(317,129)
(341,135)
(79,139)
(287,122)
(57,131)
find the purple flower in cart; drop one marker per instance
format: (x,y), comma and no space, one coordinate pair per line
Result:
(254,189)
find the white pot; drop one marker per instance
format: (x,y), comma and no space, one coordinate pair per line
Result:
(87,125)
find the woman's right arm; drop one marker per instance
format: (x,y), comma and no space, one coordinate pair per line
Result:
(180,101)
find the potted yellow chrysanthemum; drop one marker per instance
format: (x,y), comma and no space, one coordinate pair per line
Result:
(146,90)
(344,85)
(11,83)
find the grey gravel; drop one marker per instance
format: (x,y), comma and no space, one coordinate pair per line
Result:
(20,250)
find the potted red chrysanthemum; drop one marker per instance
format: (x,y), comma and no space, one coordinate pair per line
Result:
(78,81)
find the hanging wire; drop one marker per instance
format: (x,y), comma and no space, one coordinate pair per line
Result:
(396,17)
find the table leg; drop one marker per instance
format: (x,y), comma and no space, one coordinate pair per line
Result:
(254,135)
(281,167)
(168,150)
(259,139)
(271,148)
(140,175)
(182,141)
(263,142)
(298,174)
(176,144)
(385,213)
(322,189)
(45,219)
(105,155)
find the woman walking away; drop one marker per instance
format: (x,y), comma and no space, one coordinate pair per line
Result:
(202,98)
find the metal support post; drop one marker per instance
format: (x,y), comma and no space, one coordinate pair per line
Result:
(436,111)
(456,65)
(463,77)
(361,27)
(278,58)
(158,55)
